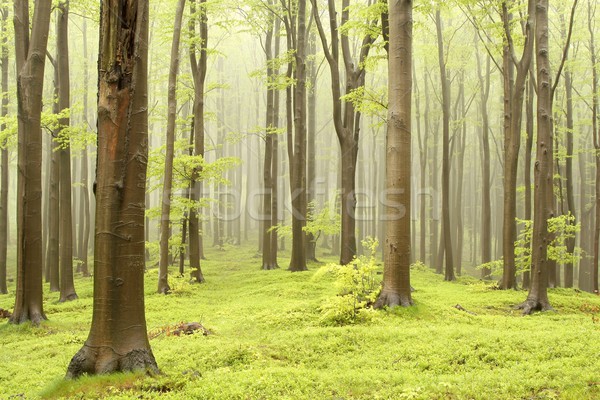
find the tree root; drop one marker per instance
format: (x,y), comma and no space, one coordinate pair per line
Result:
(105,360)
(530,306)
(391,299)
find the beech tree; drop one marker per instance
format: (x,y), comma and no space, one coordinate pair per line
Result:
(67,287)
(30,51)
(118,339)
(165,226)
(346,119)
(199,66)
(537,299)
(3,148)
(396,275)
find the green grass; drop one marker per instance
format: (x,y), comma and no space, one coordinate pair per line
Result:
(269,342)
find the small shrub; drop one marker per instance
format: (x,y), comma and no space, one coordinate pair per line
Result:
(357,288)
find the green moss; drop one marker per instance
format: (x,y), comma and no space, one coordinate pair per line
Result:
(268,342)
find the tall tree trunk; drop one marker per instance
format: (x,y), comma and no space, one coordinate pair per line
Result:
(486,204)
(570,242)
(84,211)
(266,216)
(311,132)
(396,275)
(296,27)
(596,140)
(30,59)
(543,172)
(4,151)
(346,118)
(67,286)
(118,339)
(527,166)
(165,219)
(513,104)
(199,75)
(445,83)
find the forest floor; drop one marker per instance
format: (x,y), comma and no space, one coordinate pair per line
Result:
(269,340)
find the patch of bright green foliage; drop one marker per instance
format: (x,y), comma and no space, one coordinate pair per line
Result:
(271,341)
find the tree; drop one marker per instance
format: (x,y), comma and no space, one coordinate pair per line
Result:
(513,104)
(346,118)
(3,149)
(445,83)
(295,26)
(199,76)
(67,287)
(165,229)
(118,339)
(596,142)
(537,299)
(396,275)
(30,51)
(269,210)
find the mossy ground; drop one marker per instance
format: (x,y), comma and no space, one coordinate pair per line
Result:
(269,342)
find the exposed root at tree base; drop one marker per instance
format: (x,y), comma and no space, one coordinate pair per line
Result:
(70,297)
(390,299)
(268,267)
(35,318)
(103,360)
(530,306)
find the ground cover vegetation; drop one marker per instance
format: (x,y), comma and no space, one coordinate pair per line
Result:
(269,337)
(431,171)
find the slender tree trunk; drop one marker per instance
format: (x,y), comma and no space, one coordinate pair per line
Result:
(199,75)
(396,276)
(596,141)
(527,166)
(543,172)
(297,146)
(513,103)
(165,219)
(311,132)
(84,212)
(67,286)
(445,82)
(118,339)
(30,60)
(486,204)
(4,152)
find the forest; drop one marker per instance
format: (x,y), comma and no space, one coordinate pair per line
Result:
(299,199)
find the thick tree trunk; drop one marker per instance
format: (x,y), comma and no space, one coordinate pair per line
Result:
(30,56)
(67,286)
(118,339)
(165,218)
(396,275)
